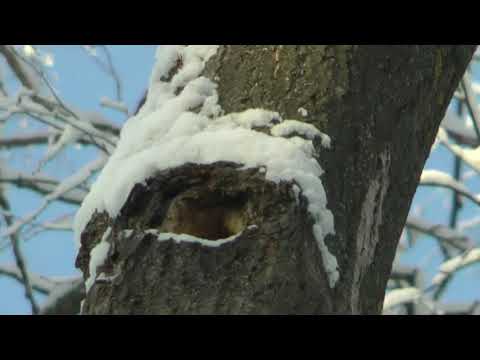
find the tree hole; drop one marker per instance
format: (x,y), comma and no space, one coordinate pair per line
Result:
(207,218)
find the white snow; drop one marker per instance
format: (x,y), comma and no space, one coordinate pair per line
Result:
(456,263)
(401,296)
(69,136)
(441,232)
(441,178)
(302,111)
(31,76)
(167,133)
(460,125)
(250,119)
(469,223)
(28,50)
(48,60)
(470,156)
(78,178)
(97,257)
(41,183)
(66,186)
(308,131)
(115,105)
(178,238)
(296,191)
(64,223)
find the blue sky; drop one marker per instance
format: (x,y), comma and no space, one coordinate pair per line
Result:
(79,82)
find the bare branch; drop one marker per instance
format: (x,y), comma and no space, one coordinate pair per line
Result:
(113,72)
(36,138)
(108,68)
(20,261)
(21,264)
(39,283)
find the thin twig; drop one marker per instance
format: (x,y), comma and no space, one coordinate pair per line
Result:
(21,264)
(43,185)
(457,174)
(19,71)
(471,103)
(445,234)
(113,72)
(108,68)
(39,283)
(456,200)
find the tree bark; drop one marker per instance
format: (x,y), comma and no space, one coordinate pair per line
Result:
(380,104)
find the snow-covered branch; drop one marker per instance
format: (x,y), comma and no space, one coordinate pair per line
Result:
(64,296)
(39,283)
(38,99)
(460,129)
(21,264)
(41,107)
(469,156)
(72,182)
(401,296)
(115,105)
(471,102)
(445,234)
(442,179)
(34,138)
(43,185)
(455,264)
(404,273)
(104,141)
(27,77)
(23,140)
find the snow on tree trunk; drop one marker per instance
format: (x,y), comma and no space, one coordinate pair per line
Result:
(214,204)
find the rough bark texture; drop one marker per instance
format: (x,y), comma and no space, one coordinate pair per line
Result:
(67,300)
(272,268)
(380,104)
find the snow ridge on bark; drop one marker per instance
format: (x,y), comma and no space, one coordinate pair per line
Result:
(181,122)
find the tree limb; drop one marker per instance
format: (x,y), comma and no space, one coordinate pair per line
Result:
(442,233)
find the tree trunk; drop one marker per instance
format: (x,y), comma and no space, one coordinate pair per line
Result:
(381,106)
